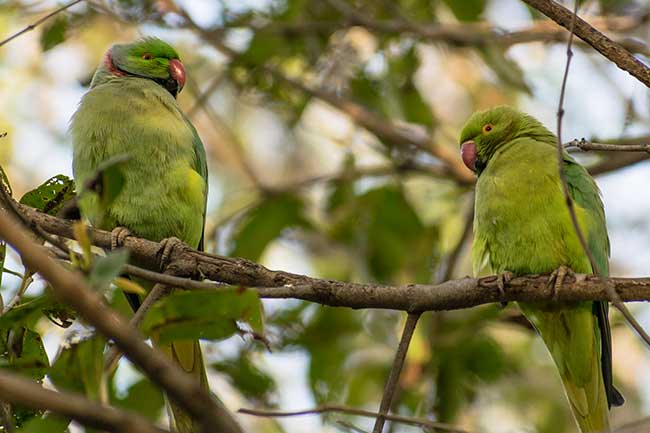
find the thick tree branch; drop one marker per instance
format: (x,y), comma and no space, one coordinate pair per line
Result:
(71,288)
(450,295)
(608,48)
(25,392)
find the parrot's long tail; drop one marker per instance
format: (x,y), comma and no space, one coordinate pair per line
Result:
(187,354)
(572,336)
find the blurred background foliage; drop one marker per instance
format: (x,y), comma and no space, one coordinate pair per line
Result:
(331,128)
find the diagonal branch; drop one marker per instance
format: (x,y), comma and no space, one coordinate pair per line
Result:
(39,22)
(27,393)
(604,45)
(71,288)
(395,371)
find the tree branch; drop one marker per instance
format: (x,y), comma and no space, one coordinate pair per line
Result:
(38,23)
(395,371)
(450,295)
(353,411)
(467,34)
(587,145)
(71,288)
(605,46)
(25,392)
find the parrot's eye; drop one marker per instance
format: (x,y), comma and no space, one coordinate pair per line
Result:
(487,127)
(147,56)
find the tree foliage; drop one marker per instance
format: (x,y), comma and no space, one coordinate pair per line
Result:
(318,188)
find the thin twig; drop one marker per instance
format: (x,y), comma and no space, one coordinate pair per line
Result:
(395,371)
(587,145)
(26,280)
(39,22)
(614,297)
(353,411)
(158,292)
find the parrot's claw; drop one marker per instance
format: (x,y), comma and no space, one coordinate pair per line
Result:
(167,247)
(556,280)
(118,236)
(503,278)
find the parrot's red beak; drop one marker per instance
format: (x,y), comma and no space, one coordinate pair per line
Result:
(177,72)
(468,153)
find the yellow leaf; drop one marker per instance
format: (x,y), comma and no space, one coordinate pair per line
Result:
(129,286)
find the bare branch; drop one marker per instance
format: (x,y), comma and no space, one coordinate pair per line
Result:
(71,288)
(353,411)
(27,393)
(587,145)
(158,292)
(396,369)
(608,48)
(38,23)
(450,295)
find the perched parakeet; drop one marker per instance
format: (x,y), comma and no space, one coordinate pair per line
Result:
(131,110)
(522,225)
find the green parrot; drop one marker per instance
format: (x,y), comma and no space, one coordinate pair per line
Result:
(131,110)
(522,226)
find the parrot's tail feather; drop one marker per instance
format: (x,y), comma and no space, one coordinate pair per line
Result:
(187,354)
(573,338)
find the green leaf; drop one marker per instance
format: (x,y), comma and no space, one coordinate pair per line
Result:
(26,313)
(144,398)
(252,382)
(50,196)
(265,223)
(79,366)
(208,314)
(22,351)
(106,269)
(47,424)
(111,179)
(54,33)
(466,10)
(384,229)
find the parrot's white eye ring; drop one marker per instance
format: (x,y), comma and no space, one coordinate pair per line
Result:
(147,56)
(487,127)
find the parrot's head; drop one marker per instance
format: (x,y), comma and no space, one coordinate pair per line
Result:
(148,58)
(486,131)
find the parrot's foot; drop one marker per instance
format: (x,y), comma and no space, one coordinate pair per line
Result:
(503,278)
(167,247)
(556,280)
(118,236)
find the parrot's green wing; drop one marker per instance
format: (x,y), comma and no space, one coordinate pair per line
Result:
(584,192)
(200,165)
